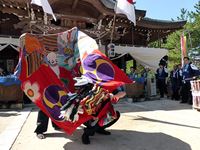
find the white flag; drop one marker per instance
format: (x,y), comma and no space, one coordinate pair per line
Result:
(126,7)
(45,6)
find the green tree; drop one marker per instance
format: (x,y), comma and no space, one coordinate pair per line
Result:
(194,25)
(184,14)
(191,30)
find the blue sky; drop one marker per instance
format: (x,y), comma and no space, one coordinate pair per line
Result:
(164,9)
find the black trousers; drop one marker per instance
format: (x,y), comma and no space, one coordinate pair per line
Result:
(175,94)
(162,87)
(186,93)
(90,130)
(42,123)
(175,91)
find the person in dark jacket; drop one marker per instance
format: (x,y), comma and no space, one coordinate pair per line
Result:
(189,72)
(161,75)
(175,78)
(164,61)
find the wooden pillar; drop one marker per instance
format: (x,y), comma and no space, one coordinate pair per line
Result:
(134,64)
(159,40)
(123,63)
(106,49)
(132,34)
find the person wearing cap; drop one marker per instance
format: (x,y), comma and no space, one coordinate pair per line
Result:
(164,61)
(189,72)
(161,75)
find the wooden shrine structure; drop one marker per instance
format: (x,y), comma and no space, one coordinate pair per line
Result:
(94,17)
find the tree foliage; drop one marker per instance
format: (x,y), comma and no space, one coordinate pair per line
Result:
(191,30)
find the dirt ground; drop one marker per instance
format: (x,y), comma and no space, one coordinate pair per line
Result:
(148,125)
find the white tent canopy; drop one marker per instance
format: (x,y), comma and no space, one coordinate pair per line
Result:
(145,56)
(13,42)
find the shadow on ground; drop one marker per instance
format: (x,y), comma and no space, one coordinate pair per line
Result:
(126,140)
(166,105)
(141,118)
(2,114)
(123,106)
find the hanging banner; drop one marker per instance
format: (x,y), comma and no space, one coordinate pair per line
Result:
(127,8)
(183,47)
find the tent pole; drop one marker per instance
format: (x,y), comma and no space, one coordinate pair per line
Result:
(113,29)
(29,16)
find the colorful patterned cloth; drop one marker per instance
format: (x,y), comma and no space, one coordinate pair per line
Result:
(93,102)
(48,64)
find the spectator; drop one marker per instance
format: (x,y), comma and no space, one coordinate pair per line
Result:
(175,82)
(161,75)
(164,61)
(145,75)
(132,75)
(189,72)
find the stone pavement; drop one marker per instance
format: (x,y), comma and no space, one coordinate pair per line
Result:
(11,125)
(148,125)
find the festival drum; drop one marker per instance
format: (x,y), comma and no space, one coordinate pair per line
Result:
(195,88)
